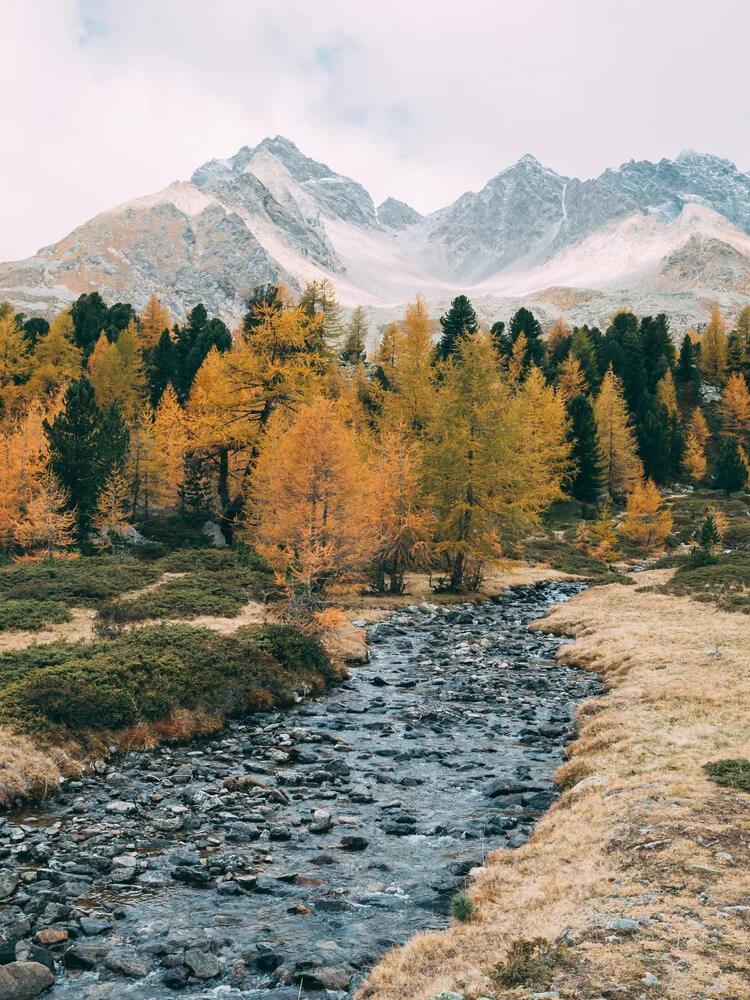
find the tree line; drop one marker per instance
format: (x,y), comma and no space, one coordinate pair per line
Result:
(437,450)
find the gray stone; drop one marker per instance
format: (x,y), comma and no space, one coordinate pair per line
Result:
(201,964)
(8,884)
(214,533)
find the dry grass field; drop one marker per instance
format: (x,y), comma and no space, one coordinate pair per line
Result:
(638,879)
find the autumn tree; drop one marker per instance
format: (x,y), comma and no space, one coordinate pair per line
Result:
(666,394)
(743,332)
(619,463)
(403,520)
(600,537)
(47,522)
(411,390)
(110,519)
(56,361)
(571,381)
(14,362)
(713,362)
(318,301)
(23,458)
(312,503)
(494,459)
(694,458)
(735,408)
(646,523)
(155,320)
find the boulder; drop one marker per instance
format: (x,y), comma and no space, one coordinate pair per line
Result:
(213,533)
(24,980)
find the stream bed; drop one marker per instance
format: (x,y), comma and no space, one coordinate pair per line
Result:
(282,857)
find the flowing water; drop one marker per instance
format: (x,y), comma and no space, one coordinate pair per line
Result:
(284,856)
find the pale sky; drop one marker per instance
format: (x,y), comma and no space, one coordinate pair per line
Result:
(106,100)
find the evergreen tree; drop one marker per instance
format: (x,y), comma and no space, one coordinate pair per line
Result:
(500,339)
(163,367)
(34,329)
(459,321)
(74,450)
(113,438)
(654,442)
(525,322)
(262,297)
(585,482)
(582,348)
(658,349)
(730,471)
(355,337)
(91,316)
(194,342)
(676,445)
(686,369)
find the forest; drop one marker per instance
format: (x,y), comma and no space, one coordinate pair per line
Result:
(339,464)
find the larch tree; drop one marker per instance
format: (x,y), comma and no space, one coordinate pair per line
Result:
(56,361)
(699,427)
(318,301)
(518,358)
(743,332)
(412,392)
(312,501)
(155,319)
(571,381)
(559,335)
(47,522)
(171,442)
(666,394)
(619,464)
(646,522)
(404,522)
(111,516)
(493,459)
(735,408)
(23,458)
(15,362)
(714,345)
(694,459)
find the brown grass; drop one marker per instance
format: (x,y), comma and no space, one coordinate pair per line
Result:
(624,844)
(27,771)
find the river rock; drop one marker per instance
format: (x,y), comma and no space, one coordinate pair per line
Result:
(201,964)
(24,980)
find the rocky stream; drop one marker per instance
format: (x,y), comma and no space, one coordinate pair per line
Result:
(282,857)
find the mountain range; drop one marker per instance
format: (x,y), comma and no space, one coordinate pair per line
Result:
(672,236)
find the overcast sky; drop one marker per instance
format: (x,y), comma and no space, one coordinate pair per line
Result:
(106,100)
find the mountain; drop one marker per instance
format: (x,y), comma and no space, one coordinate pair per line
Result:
(672,236)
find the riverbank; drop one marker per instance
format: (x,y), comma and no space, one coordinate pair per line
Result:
(637,881)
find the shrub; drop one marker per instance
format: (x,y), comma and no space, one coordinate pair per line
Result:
(462,907)
(148,673)
(730,773)
(722,580)
(87,580)
(31,614)
(529,963)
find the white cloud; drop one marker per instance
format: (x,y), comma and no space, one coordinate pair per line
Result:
(107,100)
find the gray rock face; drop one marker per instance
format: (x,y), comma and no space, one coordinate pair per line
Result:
(395,214)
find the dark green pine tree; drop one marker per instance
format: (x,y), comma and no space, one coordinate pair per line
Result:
(457,322)
(676,446)
(194,341)
(74,450)
(525,322)
(163,367)
(113,438)
(658,349)
(654,443)
(34,329)
(730,471)
(501,339)
(585,482)
(686,370)
(261,296)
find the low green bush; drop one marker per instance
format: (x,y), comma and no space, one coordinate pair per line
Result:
(559,554)
(84,581)
(146,674)
(462,907)
(15,615)
(528,963)
(722,580)
(730,773)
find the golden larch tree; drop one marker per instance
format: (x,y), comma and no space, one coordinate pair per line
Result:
(155,319)
(15,362)
(735,408)
(56,361)
(571,381)
(47,523)
(694,459)
(558,335)
(714,346)
(646,523)
(699,427)
(23,457)
(412,392)
(620,466)
(666,392)
(312,500)
(111,517)
(404,521)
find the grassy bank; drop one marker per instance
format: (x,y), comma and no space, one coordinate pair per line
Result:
(637,882)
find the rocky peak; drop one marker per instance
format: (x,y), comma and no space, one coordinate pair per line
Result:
(395,214)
